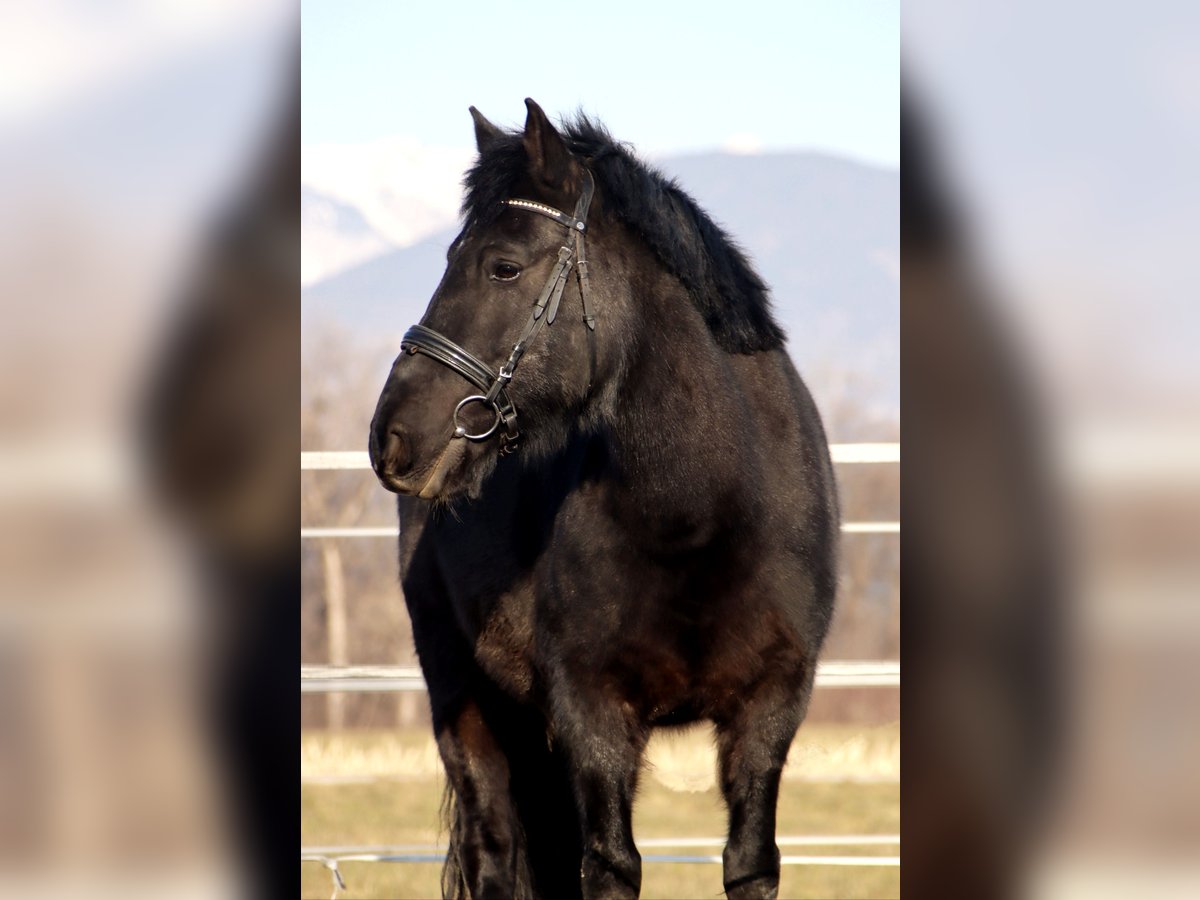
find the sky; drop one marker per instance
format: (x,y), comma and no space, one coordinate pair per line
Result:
(671,77)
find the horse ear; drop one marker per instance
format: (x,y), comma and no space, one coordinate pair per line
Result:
(485,132)
(550,162)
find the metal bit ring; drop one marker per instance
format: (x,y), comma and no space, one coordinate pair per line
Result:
(460,431)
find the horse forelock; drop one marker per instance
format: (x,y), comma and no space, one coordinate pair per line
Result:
(732,298)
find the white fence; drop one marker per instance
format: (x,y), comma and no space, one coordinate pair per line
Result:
(327,460)
(389,679)
(841,453)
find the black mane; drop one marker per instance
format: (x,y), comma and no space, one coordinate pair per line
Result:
(723,286)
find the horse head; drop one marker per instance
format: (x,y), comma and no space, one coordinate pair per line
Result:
(487,367)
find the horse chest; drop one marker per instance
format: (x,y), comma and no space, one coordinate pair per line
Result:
(503,644)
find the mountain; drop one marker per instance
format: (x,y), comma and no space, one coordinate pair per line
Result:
(822,231)
(383,295)
(334,236)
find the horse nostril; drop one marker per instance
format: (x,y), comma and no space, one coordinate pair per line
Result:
(397,452)
(373,445)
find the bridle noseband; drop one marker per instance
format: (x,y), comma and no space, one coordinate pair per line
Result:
(494,385)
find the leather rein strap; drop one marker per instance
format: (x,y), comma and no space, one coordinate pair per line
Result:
(494,384)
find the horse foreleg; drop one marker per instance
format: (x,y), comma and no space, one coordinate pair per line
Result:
(604,745)
(752,747)
(485,834)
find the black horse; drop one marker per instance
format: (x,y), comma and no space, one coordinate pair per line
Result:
(636,528)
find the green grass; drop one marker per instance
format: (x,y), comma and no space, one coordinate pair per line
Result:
(403,809)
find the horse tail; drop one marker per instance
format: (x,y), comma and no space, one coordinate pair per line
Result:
(523,887)
(454,885)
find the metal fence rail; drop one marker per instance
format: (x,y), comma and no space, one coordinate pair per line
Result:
(438,857)
(391,531)
(679,843)
(331,857)
(392,679)
(353,460)
(358,460)
(874,452)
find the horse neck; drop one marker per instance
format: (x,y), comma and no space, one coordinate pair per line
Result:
(675,411)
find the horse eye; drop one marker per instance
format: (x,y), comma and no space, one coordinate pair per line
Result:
(505,272)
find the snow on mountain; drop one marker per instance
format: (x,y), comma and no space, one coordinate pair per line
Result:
(334,237)
(403,189)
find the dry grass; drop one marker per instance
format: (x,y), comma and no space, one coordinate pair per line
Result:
(368,754)
(384,789)
(681,760)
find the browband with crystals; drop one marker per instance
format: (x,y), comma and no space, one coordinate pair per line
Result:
(561,217)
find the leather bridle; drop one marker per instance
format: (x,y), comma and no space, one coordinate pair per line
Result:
(494,385)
